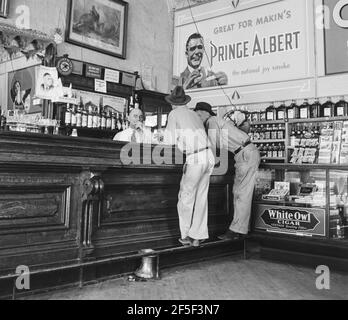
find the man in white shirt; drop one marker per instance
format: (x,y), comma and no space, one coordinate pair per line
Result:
(186,130)
(137,132)
(229,135)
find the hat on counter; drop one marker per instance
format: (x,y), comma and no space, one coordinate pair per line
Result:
(203,106)
(178,97)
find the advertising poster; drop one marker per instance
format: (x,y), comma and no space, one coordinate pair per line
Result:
(291,220)
(21,92)
(267,43)
(336,38)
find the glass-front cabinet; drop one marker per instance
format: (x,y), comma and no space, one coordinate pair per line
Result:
(302,201)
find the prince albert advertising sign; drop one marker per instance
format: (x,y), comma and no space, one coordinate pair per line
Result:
(263,43)
(301,221)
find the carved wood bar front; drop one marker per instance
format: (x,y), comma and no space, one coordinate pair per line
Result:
(65,200)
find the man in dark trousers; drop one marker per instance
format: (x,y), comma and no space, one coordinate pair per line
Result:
(225,134)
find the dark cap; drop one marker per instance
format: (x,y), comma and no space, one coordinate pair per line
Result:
(178,97)
(203,106)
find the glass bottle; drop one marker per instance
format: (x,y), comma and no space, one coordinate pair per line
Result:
(113,121)
(267,133)
(102,118)
(305,110)
(73,116)
(84,121)
(108,120)
(119,122)
(79,116)
(315,109)
(293,137)
(327,109)
(281,111)
(293,110)
(68,114)
(90,117)
(341,108)
(271,113)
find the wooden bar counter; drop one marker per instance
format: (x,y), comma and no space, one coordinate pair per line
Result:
(64,200)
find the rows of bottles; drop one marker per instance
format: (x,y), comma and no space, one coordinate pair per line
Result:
(272,151)
(94,117)
(267,132)
(305,110)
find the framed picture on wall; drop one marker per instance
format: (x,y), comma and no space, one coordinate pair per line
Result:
(4,4)
(99,25)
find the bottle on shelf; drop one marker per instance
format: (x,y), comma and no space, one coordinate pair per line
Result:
(90,114)
(315,109)
(103,118)
(281,111)
(275,148)
(271,113)
(73,116)
(327,109)
(293,137)
(267,133)
(119,122)
(293,110)
(68,115)
(341,108)
(113,121)
(84,117)
(281,132)
(79,114)
(108,120)
(263,115)
(305,110)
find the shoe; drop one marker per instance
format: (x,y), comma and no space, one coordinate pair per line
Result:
(230,235)
(185,242)
(197,243)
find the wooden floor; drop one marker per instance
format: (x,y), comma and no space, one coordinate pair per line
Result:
(224,279)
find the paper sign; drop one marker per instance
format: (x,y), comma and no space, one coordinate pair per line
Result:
(93,71)
(112,76)
(100,86)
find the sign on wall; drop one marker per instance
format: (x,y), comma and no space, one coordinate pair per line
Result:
(263,44)
(291,220)
(336,37)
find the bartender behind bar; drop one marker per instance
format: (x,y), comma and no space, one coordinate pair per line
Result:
(231,136)
(137,132)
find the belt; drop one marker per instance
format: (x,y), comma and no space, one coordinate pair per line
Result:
(198,151)
(242,147)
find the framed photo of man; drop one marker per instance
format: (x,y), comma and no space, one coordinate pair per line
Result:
(99,25)
(4,5)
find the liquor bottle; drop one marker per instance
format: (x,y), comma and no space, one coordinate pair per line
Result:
(96,118)
(84,117)
(293,110)
(327,109)
(73,116)
(315,109)
(103,118)
(341,108)
(275,150)
(263,115)
(281,132)
(79,115)
(136,102)
(113,121)
(108,120)
(305,110)
(267,133)
(293,137)
(274,134)
(281,111)
(271,113)
(119,122)
(68,115)
(90,117)
(124,122)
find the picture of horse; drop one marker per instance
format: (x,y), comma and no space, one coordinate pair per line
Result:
(99,25)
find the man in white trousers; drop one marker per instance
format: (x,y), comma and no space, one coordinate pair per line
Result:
(227,135)
(185,129)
